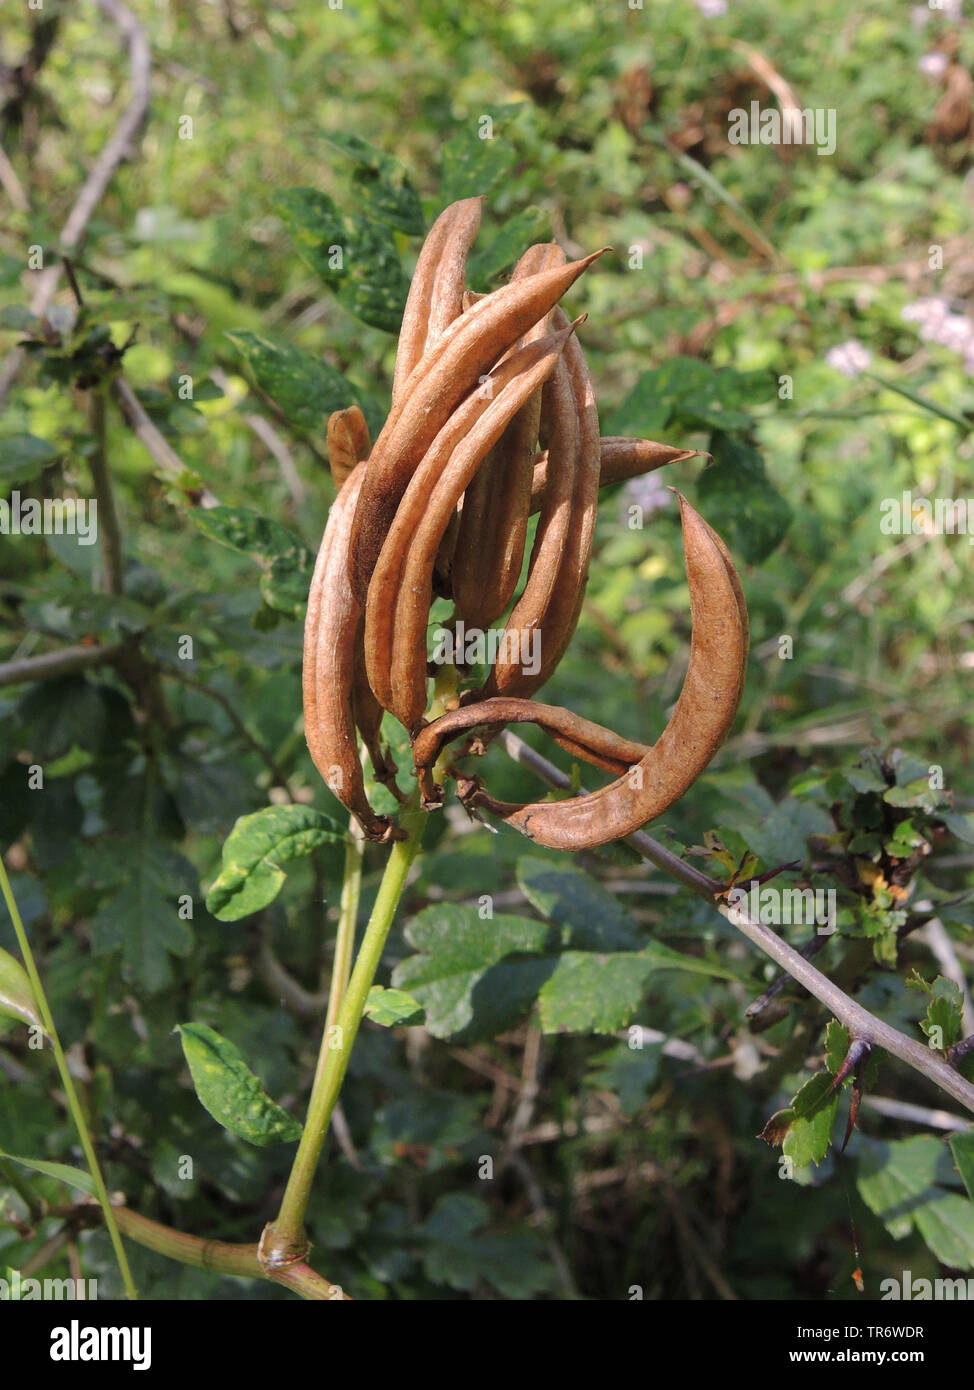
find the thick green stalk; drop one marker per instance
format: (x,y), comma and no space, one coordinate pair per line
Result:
(345,936)
(71,1094)
(284,1240)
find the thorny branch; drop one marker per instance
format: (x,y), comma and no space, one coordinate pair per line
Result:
(861,1024)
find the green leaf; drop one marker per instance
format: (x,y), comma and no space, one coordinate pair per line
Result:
(943,1023)
(904,1183)
(306,388)
(355,257)
(74,1177)
(837,1041)
(141,917)
(740,502)
(960,824)
(383,188)
(593,993)
(524,229)
(286,562)
(16,995)
(689,393)
(460,1255)
(391,1007)
(230,1091)
(471,166)
(255,849)
(590,992)
(804,1128)
(23,457)
(590,917)
(962,1147)
(475,978)
(630,1072)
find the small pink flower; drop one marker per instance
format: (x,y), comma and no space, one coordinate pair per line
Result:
(933,64)
(849,358)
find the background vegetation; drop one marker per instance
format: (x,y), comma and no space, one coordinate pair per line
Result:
(613,1166)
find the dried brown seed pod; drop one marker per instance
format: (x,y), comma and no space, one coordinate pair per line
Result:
(621,459)
(701,721)
(439,381)
(436,292)
(564,600)
(580,737)
(329,675)
(347,438)
(400,594)
(497,504)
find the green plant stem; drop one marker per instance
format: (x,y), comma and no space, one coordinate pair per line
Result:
(240,1261)
(111,532)
(341,967)
(284,1240)
(71,1094)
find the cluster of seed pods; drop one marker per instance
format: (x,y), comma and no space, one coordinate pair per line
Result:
(494,418)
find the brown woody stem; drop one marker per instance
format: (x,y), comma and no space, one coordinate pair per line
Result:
(861,1024)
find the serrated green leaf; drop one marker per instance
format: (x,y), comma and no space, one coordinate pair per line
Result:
(475,978)
(16,995)
(392,1007)
(962,1147)
(23,457)
(593,993)
(810,1131)
(253,852)
(804,1128)
(355,257)
(943,1023)
(306,388)
(285,561)
(458,1254)
(230,1091)
(837,1042)
(141,917)
(74,1177)
(590,917)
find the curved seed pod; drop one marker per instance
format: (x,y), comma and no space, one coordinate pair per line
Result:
(368,718)
(442,377)
(400,594)
(497,504)
(552,534)
(436,291)
(347,438)
(580,737)
(621,459)
(698,726)
(380,613)
(329,665)
(565,599)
